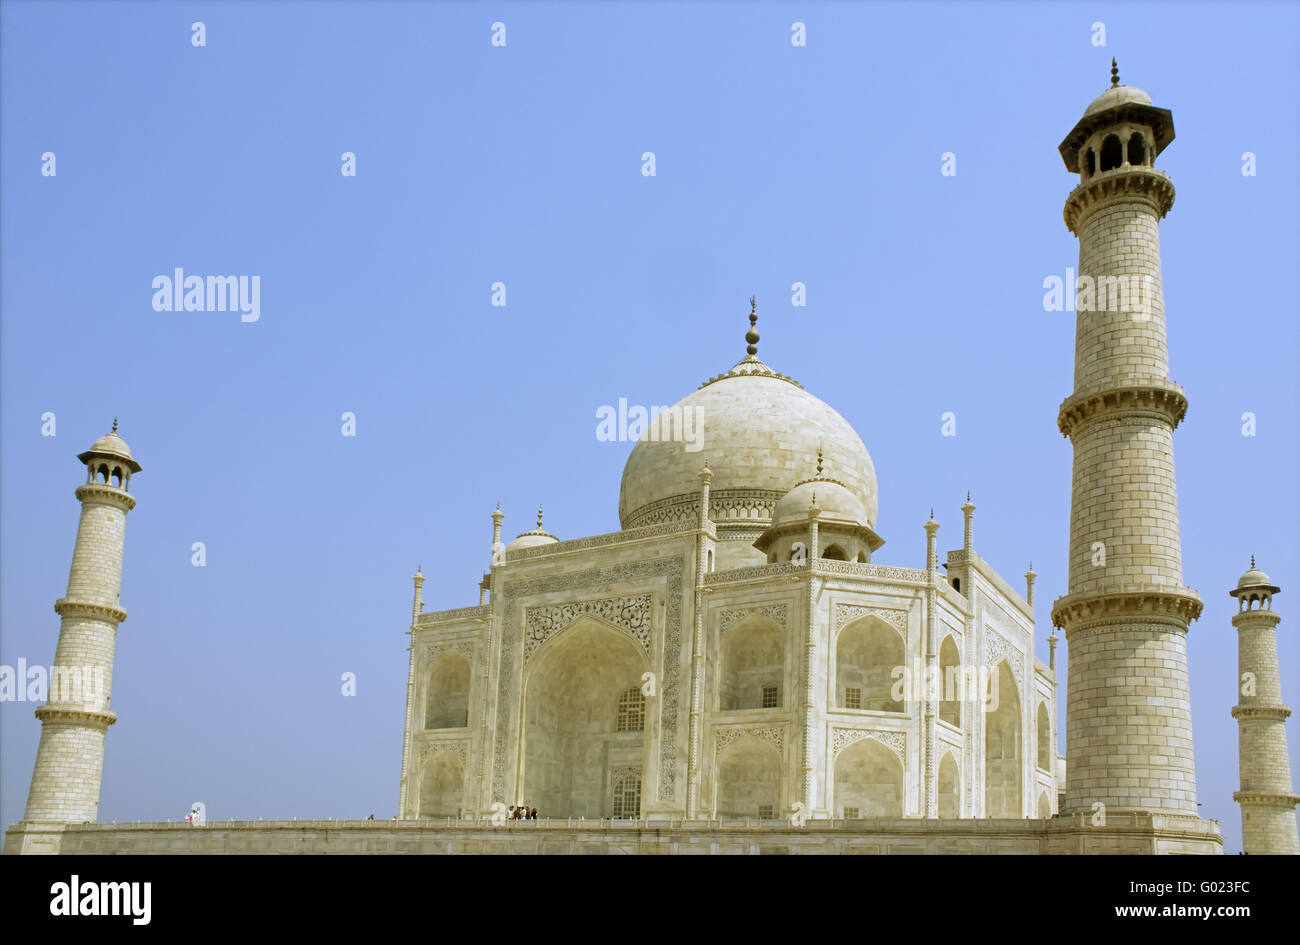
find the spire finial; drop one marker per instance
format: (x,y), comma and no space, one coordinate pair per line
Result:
(539,516)
(115,424)
(751,336)
(1114,73)
(819,462)
(1252,561)
(967,495)
(932,513)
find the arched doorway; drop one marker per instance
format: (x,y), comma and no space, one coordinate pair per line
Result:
(584,724)
(442,785)
(1044,807)
(748,779)
(868,781)
(1002,755)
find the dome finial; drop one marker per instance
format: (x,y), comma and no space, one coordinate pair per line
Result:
(751,336)
(1114,73)
(539,516)
(819,462)
(115,424)
(1252,561)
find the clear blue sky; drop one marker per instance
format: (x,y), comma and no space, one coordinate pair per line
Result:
(522,164)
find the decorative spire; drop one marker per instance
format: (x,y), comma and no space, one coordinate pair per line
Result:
(967,495)
(115,424)
(1252,562)
(539,516)
(932,513)
(751,336)
(819,462)
(1114,73)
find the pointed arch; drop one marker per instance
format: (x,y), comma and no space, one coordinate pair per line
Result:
(751,670)
(1044,754)
(867,653)
(442,785)
(869,778)
(748,779)
(1002,754)
(950,682)
(446,691)
(575,758)
(949,788)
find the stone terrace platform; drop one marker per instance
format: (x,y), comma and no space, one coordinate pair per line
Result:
(1127,833)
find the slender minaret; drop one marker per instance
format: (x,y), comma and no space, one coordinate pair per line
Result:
(1125,617)
(75,719)
(1268,823)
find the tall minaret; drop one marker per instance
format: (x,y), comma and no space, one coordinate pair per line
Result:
(1128,711)
(1268,823)
(75,719)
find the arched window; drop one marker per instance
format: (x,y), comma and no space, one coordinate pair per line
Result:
(835,553)
(1112,153)
(1092,162)
(103,473)
(862,557)
(1137,152)
(117,477)
(631,711)
(627,794)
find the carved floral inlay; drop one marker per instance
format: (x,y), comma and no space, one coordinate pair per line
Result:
(631,614)
(725,736)
(729,618)
(846,613)
(997,647)
(457,749)
(895,741)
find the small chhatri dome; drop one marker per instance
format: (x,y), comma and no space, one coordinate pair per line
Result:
(110,446)
(531,539)
(836,502)
(1255,578)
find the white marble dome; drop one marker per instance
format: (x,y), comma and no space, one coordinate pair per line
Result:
(760,433)
(1118,95)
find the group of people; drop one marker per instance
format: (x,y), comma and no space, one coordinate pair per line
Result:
(521,813)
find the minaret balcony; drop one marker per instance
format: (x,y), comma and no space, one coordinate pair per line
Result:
(1129,180)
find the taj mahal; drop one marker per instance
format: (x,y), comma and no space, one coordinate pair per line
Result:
(746,665)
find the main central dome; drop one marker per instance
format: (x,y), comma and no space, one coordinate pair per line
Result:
(760,433)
